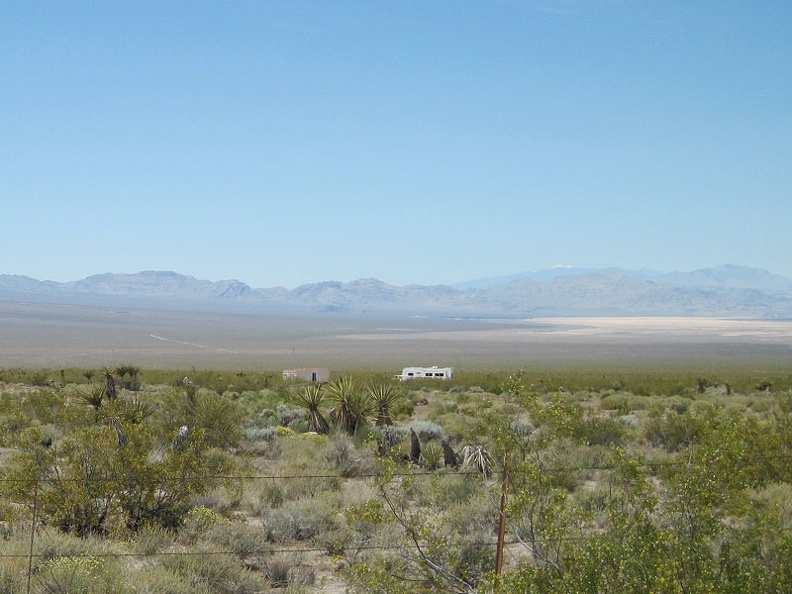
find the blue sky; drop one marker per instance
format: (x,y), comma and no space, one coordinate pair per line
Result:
(281,143)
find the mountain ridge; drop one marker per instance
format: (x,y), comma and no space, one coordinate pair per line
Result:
(721,291)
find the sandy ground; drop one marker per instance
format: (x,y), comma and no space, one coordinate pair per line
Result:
(36,336)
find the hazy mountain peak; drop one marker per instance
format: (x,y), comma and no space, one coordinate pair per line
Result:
(729,275)
(726,290)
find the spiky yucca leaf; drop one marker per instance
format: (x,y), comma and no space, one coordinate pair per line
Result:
(352,407)
(311,398)
(383,398)
(95,396)
(477,458)
(432,455)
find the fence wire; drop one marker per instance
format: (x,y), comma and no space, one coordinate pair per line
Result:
(36,483)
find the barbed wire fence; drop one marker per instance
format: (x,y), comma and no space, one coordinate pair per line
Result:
(36,484)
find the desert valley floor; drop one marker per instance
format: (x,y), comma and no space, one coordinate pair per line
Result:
(38,335)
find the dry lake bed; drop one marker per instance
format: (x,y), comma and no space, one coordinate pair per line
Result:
(49,336)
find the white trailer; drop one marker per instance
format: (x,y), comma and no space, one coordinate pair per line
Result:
(426,372)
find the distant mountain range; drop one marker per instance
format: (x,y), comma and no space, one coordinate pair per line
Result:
(722,291)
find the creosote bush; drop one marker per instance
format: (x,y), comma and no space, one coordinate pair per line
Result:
(114,468)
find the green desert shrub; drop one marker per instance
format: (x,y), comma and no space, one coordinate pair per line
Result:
(276,569)
(426,430)
(152,539)
(403,409)
(51,544)
(157,579)
(625,403)
(44,405)
(300,487)
(389,437)
(600,431)
(271,494)
(241,539)
(215,573)
(219,418)
(80,575)
(197,522)
(300,520)
(672,431)
(287,415)
(114,473)
(456,488)
(12,579)
(345,458)
(465,425)
(68,575)
(521,427)
(472,560)
(260,433)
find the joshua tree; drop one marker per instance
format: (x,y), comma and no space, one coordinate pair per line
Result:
(310,398)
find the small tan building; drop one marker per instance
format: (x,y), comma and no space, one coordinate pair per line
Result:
(308,374)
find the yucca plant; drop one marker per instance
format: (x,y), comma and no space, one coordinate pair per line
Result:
(383,398)
(432,455)
(135,410)
(352,407)
(477,458)
(311,398)
(133,383)
(95,397)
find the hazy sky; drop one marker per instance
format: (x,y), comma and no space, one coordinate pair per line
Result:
(428,142)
